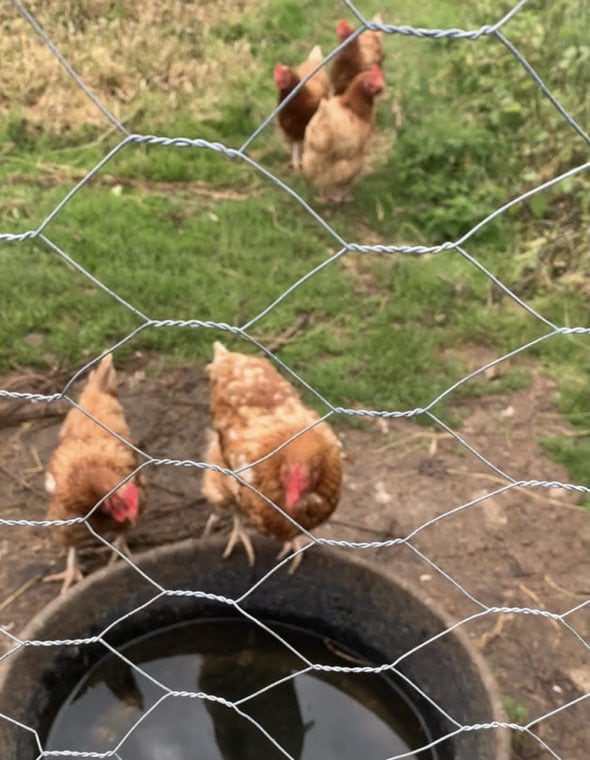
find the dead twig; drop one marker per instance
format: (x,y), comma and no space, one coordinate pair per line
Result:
(20,590)
(404,440)
(24,377)
(496,479)
(19,481)
(37,458)
(286,336)
(540,605)
(572,594)
(344,655)
(494,632)
(536,599)
(15,420)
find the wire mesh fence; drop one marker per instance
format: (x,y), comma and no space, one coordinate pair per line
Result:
(567,621)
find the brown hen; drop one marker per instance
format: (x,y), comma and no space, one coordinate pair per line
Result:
(337,137)
(359,55)
(295,115)
(88,464)
(255,413)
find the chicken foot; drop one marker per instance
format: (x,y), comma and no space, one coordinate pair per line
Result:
(72,574)
(294,545)
(296,153)
(239,533)
(121,544)
(212,520)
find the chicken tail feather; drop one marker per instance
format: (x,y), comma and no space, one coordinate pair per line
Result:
(219,350)
(105,376)
(316,55)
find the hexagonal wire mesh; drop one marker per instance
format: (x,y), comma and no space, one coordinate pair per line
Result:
(508,483)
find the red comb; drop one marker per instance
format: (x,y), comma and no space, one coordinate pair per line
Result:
(279,75)
(376,73)
(343,30)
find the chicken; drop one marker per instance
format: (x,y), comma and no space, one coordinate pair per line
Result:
(88,464)
(254,411)
(337,137)
(295,116)
(359,55)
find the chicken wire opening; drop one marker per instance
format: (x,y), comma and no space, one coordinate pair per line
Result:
(41,234)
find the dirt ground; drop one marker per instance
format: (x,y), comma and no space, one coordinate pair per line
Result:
(522,548)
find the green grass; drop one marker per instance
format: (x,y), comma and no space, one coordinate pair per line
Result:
(190,234)
(573,450)
(574,455)
(517,713)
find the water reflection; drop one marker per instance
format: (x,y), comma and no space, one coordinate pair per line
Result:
(315,715)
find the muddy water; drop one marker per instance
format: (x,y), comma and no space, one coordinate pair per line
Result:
(313,716)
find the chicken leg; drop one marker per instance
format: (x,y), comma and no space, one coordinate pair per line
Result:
(72,574)
(239,533)
(296,153)
(212,520)
(121,544)
(294,545)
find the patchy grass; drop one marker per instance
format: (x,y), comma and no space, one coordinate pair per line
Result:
(574,455)
(191,234)
(572,449)
(143,63)
(517,713)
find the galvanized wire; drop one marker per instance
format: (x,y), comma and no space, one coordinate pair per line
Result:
(42,235)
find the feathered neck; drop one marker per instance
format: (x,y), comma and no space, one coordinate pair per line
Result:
(358,98)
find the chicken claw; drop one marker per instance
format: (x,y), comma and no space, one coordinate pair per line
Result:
(289,547)
(212,520)
(72,574)
(239,533)
(121,544)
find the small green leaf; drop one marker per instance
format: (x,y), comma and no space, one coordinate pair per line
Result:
(538,204)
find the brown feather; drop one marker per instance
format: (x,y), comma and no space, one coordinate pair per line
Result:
(88,461)
(337,139)
(357,56)
(295,115)
(254,410)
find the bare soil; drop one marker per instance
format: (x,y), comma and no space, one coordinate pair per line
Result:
(525,548)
